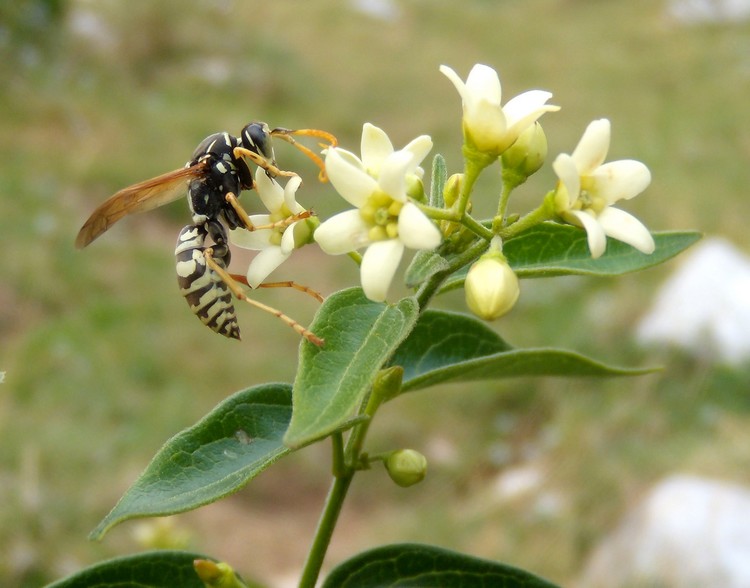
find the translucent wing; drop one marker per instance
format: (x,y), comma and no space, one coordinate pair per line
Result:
(139,197)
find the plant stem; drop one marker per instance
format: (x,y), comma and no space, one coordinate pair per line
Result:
(346,462)
(324,531)
(546,211)
(429,288)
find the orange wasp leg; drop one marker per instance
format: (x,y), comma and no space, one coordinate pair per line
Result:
(245,218)
(288,284)
(235,288)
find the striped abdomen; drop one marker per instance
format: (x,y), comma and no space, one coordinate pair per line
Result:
(205,292)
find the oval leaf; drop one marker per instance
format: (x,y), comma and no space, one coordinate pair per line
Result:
(451,347)
(553,249)
(154,569)
(413,565)
(217,456)
(332,381)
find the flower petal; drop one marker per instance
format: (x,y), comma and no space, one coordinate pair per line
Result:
(379,264)
(595,234)
(591,150)
(525,108)
(483,83)
(263,264)
(566,170)
(290,195)
(455,79)
(252,239)
(620,180)
(623,226)
(419,148)
(269,190)
(348,177)
(375,147)
(416,230)
(393,174)
(342,233)
(485,124)
(287,239)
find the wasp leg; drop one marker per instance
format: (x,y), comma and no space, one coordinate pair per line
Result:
(288,284)
(260,161)
(240,295)
(286,135)
(245,218)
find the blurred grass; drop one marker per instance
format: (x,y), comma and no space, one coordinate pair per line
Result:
(104,362)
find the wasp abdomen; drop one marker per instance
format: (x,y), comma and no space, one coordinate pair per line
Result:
(205,292)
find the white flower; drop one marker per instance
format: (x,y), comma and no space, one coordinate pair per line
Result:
(488,126)
(588,188)
(385,221)
(274,245)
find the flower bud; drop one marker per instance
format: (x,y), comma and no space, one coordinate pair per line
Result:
(217,575)
(527,154)
(491,287)
(452,189)
(406,467)
(303,231)
(415,187)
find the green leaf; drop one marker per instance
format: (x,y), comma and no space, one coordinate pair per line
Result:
(153,569)
(217,456)
(451,347)
(552,249)
(413,565)
(437,181)
(332,381)
(423,265)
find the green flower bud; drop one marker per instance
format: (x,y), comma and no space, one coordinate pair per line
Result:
(527,154)
(491,287)
(415,188)
(406,467)
(217,575)
(387,384)
(452,189)
(303,231)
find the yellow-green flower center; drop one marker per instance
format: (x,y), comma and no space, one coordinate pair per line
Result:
(380,212)
(279,216)
(588,199)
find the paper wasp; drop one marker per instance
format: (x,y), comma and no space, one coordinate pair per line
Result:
(214,178)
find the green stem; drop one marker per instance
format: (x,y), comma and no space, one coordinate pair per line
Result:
(451,215)
(474,163)
(546,211)
(429,288)
(345,465)
(502,206)
(326,525)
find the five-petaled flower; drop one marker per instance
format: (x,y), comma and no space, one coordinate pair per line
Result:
(385,220)
(489,127)
(274,245)
(588,188)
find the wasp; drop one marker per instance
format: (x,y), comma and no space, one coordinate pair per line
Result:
(214,177)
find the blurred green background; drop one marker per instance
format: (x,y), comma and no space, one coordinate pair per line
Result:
(104,361)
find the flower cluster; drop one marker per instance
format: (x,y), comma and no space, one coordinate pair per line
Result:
(390,214)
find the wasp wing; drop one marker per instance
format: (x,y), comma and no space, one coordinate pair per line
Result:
(139,197)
